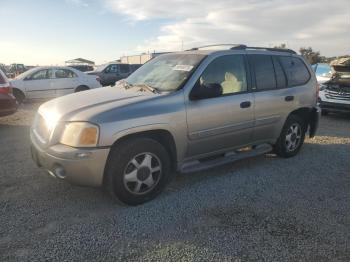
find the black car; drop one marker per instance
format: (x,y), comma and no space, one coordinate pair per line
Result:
(113,72)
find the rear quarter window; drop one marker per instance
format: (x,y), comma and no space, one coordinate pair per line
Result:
(296,70)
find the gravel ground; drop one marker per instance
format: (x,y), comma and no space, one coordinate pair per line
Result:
(259,209)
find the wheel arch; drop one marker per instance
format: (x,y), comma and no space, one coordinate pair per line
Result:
(81,88)
(304,113)
(163,136)
(20,91)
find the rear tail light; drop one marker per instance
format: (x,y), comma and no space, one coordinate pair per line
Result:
(5,89)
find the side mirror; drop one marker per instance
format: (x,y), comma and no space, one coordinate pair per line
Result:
(205,91)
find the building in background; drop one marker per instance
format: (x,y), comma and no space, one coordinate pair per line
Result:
(81,64)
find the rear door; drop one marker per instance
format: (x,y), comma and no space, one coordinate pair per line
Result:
(226,121)
(39,84)
(65,81)
(272,97)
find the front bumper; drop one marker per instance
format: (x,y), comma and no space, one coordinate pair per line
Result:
(79,166)
(333,105)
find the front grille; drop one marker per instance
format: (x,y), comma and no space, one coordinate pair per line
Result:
(337,92)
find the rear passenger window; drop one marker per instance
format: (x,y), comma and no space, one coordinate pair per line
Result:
(281,80)
(264,72)
(296,71)
(124,68)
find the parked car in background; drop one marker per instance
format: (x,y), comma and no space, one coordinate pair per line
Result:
(8,103)
(111,73)
(83,68)
(49,82)
(323,72)
(15,70)
(3,68)
(335,93)
(184,111)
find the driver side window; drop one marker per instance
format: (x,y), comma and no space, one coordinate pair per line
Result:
(228,72)
(111,69)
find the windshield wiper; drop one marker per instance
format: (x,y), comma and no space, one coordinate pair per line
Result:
(150,88)
(125,84)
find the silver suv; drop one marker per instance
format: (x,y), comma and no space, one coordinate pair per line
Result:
(183,112)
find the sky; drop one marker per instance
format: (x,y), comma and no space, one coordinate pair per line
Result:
(49,32)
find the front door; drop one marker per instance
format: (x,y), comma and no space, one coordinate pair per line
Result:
(39,84)
(110,75)
(227,120)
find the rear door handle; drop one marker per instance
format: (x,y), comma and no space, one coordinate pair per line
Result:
(246,104)
(289,98)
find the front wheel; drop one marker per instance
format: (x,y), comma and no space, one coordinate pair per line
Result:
(137,170)
(291,138)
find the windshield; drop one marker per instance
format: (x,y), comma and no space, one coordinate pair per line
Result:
(100,68)
(323,70)
(26,73)
(166,72)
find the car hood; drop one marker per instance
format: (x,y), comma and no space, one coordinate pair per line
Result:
(83,106)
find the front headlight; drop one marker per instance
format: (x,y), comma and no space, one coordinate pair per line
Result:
(80,134)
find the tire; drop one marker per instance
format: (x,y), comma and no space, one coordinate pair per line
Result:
(135,183)
(81,88)
(291,138)
(18,94)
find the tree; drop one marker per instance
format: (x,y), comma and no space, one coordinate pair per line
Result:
(310,55)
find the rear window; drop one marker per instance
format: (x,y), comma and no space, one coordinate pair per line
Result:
(264,72)
(281,80)
(296,71)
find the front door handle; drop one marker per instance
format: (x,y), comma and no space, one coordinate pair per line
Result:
(289,98)
(246,104)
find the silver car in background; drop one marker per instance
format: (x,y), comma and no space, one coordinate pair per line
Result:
(184,112)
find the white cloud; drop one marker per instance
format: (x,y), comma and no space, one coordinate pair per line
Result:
(323,24)
(77,2)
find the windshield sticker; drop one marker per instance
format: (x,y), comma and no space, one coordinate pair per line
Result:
(186,68)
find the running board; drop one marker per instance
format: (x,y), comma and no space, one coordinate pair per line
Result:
(199,165)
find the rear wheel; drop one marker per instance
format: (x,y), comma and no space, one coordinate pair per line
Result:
(18,94)
(137,170)
(292,137)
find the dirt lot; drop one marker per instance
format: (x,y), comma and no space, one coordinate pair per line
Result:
(260,209)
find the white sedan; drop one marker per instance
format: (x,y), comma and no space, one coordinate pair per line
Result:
(50,82)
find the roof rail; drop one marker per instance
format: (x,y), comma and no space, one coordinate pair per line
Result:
(285,50)
(244,47)
(206,46)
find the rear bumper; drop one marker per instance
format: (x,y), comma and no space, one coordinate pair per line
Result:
(314,120)
(78,166)
(8,105)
